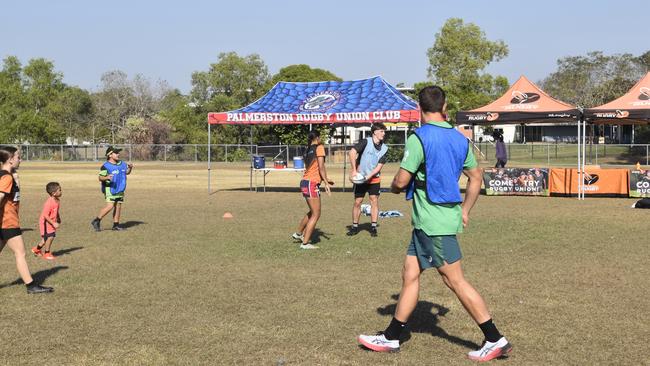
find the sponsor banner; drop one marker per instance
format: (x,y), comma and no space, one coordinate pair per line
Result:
(516,181)
(514,116)
(639,183)
(596,182)
(313,118)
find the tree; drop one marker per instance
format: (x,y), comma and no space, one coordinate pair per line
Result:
(296,134)
(644,61)
(230,83)
(37,106)
(594,79)
(456,62)
(120,99)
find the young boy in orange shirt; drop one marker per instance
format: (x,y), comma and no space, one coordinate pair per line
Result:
(49,221)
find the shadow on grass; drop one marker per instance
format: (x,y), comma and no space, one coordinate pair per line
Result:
(316,235)
(425,320)
(363,227)
(129,224)
(61,252)
(24,230)
(39,276)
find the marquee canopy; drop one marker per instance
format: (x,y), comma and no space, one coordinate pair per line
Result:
(343,102)
(524,102)
(632,107)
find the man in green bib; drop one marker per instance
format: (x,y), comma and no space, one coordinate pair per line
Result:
(434,158)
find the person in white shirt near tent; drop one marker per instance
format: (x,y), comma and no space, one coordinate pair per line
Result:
(367,158)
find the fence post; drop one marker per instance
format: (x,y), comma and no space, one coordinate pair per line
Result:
(61,152)
(548,154)
(165,153)
(646,154)
(27,152)
(196,153)
(226,153)
(532,151)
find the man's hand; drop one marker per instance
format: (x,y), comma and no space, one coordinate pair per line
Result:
(56,225)
(352,174)
(465,218)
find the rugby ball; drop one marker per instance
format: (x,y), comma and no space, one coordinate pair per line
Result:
(358,178)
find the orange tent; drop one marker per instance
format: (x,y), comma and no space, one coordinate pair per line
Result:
(632,107)
(524,102)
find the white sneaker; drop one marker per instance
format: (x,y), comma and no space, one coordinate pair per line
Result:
(297,236)
(491,350)
(379,343)
(308,246)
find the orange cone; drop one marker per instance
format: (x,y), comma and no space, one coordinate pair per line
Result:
(227,215)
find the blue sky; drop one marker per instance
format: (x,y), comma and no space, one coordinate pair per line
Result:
(169,40)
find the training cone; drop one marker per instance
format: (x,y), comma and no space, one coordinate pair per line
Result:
(227,215)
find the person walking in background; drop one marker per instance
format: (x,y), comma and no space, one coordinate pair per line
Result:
(434,158)
(501,154)
(49,221)
(10,232)
(112,176)
(314,175)
(367,158)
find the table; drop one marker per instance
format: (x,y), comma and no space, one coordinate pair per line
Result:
(266,171)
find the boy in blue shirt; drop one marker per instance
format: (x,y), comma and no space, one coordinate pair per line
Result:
(112,176)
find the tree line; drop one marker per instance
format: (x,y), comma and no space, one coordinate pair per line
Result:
(37,106)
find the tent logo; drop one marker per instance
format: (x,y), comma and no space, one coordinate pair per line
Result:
(523,98)
(321,101)
(645,93)
(590,178)
(492,116)
(622,114)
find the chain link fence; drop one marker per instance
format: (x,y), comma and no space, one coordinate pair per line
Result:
(531,153)
(186,153)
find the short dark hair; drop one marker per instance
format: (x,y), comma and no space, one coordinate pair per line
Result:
(377,126)
(6,153)
(432,99)
(52,187)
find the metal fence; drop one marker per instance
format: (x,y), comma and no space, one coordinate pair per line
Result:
(185,153)
(531,153)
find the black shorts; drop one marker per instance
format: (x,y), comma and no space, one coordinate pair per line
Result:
(6,234)
(360,190)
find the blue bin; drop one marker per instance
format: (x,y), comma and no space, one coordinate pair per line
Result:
(258,162)
(298,163)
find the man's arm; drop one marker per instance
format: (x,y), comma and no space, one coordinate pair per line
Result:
(472,191)
(374,171)
(352,155)
(129,167)
(401,180)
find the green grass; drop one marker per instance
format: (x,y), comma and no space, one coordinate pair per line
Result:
(566,281)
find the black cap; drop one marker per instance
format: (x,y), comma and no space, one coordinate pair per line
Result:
(111,149)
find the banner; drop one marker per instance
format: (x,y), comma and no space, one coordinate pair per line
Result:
(516,181)
(596,182)
(639,183)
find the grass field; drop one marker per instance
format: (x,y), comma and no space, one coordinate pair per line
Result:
(566,281)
